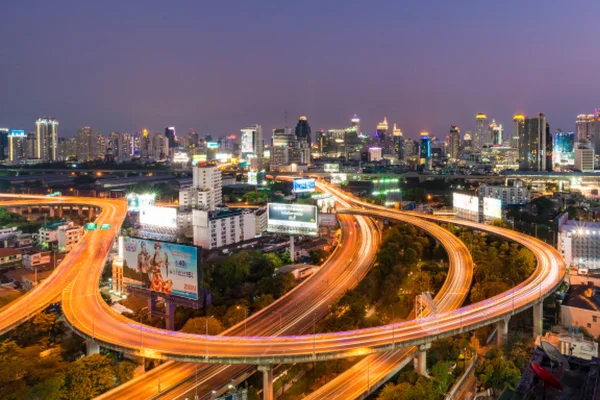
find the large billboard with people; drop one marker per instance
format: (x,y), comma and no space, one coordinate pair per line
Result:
(293,219)
(161,267)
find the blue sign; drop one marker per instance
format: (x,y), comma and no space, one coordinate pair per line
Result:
(303,185)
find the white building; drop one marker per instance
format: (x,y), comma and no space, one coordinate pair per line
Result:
(214,229)
(261,220)
(252,145)
(375,154)
(579,243)
(68,236)
(206,192)
(584,157)
(581,307)
(510,195)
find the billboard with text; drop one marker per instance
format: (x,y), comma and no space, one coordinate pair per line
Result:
(293,219)
(161,267)
(304,185)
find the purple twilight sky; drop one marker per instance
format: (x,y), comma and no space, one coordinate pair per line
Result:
(218,66)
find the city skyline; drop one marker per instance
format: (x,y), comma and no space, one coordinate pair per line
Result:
(118,72)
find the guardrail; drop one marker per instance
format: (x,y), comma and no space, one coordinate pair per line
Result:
(458,385)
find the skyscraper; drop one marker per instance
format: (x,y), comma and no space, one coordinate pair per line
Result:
(171,136)
(517,130)
(85,144)
(355,123)
(454,143)
(46,138)
(497,133)
(398,142)
(303,130)
(584,127)
(535,145)
(563,148)
(4,133)
(253,145)
(596,131)
(381,133)
(480,137)
(425,151)
(17,146)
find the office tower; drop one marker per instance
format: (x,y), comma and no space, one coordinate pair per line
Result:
(17,146)
(381,133)
(67,149)
(171,136)
(596,131)
(46,138)
(192,138)
(584,157)
(355,124)
(303,130)
(85,143)
(468,141)
(563,148)
(206,192)
(121,144)
(280,145)
(480,137)
(454,143)
(535,145)
(517,130)
(31,145)
(145,145)
(425,151)
(398,142)
(160,145)
(4,133)
(584,128)
(497,134)
(252,144)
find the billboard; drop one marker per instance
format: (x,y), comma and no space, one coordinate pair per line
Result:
(492,208)
(212,145)
(331,167)
(327,220)
(161,267)
(292,219)
(198,158)
(304,185)
(252,178)
(465,202)
(247,141)
(135,202)
(181,157)
(339,178)
(165,217)
(326,204)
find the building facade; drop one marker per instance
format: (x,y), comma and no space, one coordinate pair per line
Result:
(517,194)
(46,139)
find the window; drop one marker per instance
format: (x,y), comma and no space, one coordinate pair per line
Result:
(595,318)
(589,325)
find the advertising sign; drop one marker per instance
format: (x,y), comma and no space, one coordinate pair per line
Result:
(165,217)
(492,208)
(327,220)
(137,201)
(181,157)
(326,204)
(212,145)
(293,219)
(247,142)
(339,178)
(465,202)
(161,267)
(252,178)
(304,185)
(198,158)
(331,167)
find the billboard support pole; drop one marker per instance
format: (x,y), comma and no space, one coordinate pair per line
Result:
(170,316)
(292,252)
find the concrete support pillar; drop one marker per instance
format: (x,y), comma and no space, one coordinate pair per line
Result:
(267,372)
(420,360)
(292,251)
(91,211)
(92,347)
(502,331)
(151,306)
(170,316)
(538,319)
(30,211)
(60,211)
(79,211)
(51,209)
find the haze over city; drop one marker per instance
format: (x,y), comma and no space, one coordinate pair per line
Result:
(218,67)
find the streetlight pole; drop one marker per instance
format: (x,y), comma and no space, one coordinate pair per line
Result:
(393,327)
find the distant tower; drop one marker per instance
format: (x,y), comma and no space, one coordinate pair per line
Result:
(355,123)
(382,129)
(303,131)
(497,133)
(535,146)
(480,137)
(171,136)
(517,130)
(46,138)
(425,151)
(398,142)
(454,143)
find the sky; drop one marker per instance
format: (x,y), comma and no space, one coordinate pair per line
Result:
(219,66)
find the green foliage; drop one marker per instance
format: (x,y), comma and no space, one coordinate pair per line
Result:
(199,324)
(124,371)
(496,372)
(317,257)
(89,377)
(234,315)
(4,300)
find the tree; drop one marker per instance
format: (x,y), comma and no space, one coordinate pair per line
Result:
(234,315)
(496,372)
(89,377)
(198,325)
(124,371)
(318,256)
(262,302)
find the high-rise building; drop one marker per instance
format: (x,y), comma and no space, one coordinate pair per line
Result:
(468,141)
(425,151)
(160,146)
(517,130)
(171,136)
(597,131)
(454,143)
(17,146)
(46,138)
(31,145)
(497,133)
(121,144)
(381,133)
(481,136)
(4,133)
(355,124)
(85,144)
(206,192)
(535,145)
(398,142)
(584,128)
(252,144)
(303,131)
(563,152)
(145,145)
(584,157)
